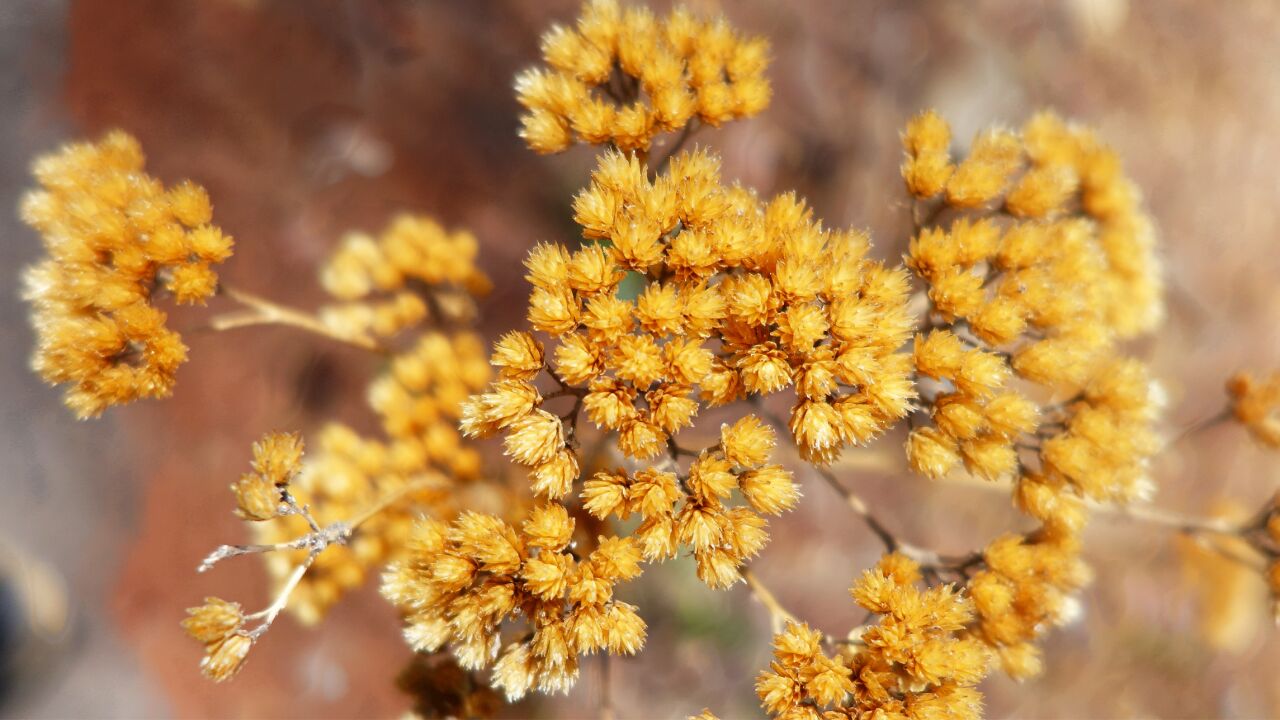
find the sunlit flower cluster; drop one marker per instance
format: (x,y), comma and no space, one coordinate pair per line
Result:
(688,508)
(737,298)
(622,76)
(1025,589)
(914,662)
(414,272)
(116,240)
(462,582)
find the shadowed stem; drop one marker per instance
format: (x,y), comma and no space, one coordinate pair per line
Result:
(689,129)
(778,615)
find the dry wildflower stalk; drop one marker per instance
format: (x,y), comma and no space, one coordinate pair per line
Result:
(1034,262)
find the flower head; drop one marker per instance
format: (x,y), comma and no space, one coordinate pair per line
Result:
(621,76)
(116,239)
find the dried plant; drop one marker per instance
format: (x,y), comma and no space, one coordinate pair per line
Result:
(995,350)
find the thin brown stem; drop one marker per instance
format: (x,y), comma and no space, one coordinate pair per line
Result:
(778,615)
(261,311)
(320,538)
(689,129)
(1200,425)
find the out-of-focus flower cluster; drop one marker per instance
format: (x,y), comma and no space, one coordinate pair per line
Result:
(417,399)
(440,688)
(1047,178)
(414,272)
(622,76)
(1255,403)
(115,239)
(1037,260)
(916,661)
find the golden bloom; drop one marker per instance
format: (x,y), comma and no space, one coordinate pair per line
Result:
(1254,404)
(622,76)
(413,272)
(224,659)
(219,624)
(462,582)
(114,237)
(214,621)
(915,662)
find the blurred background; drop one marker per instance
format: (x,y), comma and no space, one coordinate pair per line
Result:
(307,118)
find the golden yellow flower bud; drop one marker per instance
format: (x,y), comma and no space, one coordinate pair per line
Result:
(931,453)
(256,499)
(518,356)
(770,489)
(535,438)
(747,442)
(213,621)
(226,658)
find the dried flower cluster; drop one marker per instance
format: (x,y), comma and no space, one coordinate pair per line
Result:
(462,581)
(1255,403)
(623,76)
(260,495)
(1034,262)
(414,272)
(115,238)
(422,456)
(915,662)
(1036,259)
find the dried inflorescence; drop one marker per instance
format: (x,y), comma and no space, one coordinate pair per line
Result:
(462,582)
(260,495)
(1048,176)
(622,76)
(277,458)
(219,625)
(413,272)
(915,662)
(1037,260)
(739,298)
(1255,403)
(421,457)
(116,239)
